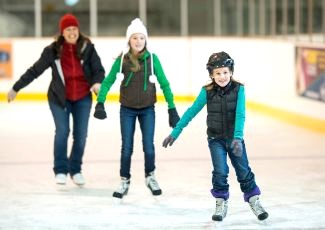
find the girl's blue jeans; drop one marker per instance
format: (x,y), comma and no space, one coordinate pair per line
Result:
(146,118)
(219,150)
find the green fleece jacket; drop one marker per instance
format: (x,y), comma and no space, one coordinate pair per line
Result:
(158,71)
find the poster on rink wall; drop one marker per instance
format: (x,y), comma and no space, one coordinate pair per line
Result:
(310,72)
(5,60)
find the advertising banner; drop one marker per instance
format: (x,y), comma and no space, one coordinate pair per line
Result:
(310,72)
(5,61)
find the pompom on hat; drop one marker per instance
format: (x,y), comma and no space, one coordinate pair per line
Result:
(136,27)
(68,20)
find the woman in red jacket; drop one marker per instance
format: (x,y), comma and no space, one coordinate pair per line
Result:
(76,72)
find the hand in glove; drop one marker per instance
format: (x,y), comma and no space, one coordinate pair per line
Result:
(173,117)
(100,111)
(168,141)
(237,147)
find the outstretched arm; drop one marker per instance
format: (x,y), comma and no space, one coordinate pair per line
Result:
(32,73)
(108,81)
(165,87)
(163,82)
(189,114)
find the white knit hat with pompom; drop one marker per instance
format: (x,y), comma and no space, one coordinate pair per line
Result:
(136,27)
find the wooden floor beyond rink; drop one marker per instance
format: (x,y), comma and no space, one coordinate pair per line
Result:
(288,163)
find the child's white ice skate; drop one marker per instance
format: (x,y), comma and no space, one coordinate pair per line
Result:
(123,188)
(258,210)
(61,179)
(78,179)
(221,209)
(152,184)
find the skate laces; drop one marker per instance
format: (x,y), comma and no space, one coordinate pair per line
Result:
(220,207)
(151,181)
(256,206)
(124,185)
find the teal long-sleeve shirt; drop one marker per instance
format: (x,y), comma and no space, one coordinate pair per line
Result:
(201,101)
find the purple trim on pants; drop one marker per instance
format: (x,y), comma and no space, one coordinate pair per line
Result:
(224,195)
(254,192)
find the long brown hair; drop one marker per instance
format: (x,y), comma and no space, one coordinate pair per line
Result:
(134,58)
(80,43)
(210,85)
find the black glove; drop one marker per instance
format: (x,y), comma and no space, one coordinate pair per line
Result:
(173,117)
(168,141)
(100,111)
(237,147)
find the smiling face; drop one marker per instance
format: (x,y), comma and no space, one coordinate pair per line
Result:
(137,42)
(221,76)
(71,34)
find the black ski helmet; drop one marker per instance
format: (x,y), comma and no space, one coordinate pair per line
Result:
(218,60)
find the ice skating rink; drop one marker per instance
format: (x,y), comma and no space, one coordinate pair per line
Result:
(288,162)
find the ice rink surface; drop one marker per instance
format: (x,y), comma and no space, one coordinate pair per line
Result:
(288,162)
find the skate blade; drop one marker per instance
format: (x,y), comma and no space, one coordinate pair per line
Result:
(61,187)
(218,224)
(264,222)
(80,185)
(117,201)
(157,199)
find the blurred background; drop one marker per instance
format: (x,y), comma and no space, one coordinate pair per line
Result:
(282,40)
(287,19)
(279,53)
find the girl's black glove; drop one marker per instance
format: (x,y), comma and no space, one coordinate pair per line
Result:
(173,117)
(100,111)
(168,141)
(237,147)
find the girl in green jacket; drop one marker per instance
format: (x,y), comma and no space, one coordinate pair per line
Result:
(139,71)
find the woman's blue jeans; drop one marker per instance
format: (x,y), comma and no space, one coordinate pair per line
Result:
(219,149)
(80,111)
(128,117)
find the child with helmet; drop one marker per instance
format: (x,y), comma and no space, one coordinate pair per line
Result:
(225,101)
(138,71)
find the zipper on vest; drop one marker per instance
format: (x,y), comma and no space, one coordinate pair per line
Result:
(128,79)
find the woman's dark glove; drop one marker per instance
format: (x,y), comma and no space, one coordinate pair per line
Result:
(237,147)
(168,141)
(173,117)
(100,111)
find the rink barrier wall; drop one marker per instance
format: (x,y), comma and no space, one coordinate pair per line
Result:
(306,122)
(266,67)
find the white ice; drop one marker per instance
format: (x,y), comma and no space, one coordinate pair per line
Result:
(288,163)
